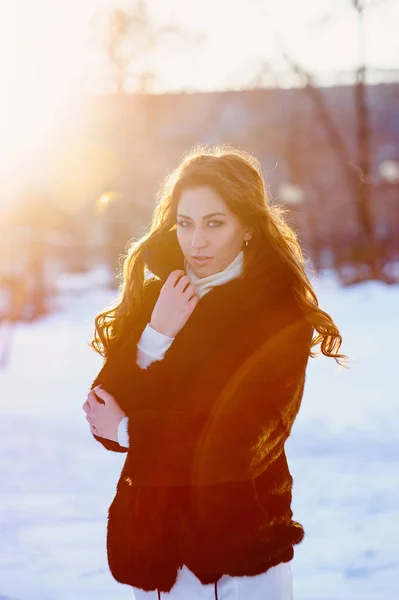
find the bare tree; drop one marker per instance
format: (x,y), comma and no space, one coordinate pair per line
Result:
(357,171)
(129,37)
(363,131)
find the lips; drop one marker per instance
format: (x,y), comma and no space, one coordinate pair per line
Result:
(202,260)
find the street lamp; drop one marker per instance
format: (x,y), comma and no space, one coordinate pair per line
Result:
(389,171)
(293,197)
(291,194)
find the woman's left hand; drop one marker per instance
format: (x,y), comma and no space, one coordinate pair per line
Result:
(104,418)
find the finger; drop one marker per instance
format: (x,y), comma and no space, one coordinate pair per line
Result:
(175,276)
(91,400)
(90,421)
(86,407)
(194,300)
(103,394)
(95,400)
(182,283)
(189,291)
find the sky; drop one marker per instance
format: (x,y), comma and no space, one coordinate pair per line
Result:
(50,49)
(50,52)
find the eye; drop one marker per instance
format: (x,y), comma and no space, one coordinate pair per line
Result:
(185,224)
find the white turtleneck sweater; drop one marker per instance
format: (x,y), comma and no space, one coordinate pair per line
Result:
(153,345)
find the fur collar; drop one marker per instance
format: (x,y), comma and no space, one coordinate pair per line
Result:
(264,281)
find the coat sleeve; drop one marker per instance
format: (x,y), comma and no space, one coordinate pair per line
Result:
(143,396)
(119,363)
(244,431)
(108,444)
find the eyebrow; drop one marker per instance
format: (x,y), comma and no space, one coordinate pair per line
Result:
(205,216)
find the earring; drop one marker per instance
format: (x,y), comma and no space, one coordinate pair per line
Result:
(246,243)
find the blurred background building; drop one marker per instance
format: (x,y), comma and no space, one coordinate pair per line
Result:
(81,165)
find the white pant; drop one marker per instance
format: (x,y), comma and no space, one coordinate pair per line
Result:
(275,584)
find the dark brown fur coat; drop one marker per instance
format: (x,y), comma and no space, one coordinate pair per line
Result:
(206,482)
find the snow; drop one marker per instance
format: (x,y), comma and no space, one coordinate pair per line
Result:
(57,482)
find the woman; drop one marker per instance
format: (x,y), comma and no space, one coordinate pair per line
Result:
(203,377)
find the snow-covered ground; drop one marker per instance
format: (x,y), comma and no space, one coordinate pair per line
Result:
(56,482)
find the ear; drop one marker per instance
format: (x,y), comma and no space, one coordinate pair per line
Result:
(248,235)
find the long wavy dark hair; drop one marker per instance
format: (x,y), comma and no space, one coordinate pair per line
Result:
(237,177)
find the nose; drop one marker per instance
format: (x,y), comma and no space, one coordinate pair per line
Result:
(199,239)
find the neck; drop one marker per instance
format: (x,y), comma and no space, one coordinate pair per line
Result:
(204,285)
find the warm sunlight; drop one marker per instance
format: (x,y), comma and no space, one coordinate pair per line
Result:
(39,72)
(51,58)
(105,200)
(42,71)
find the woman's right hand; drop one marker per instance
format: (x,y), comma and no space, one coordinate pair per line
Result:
(175,304)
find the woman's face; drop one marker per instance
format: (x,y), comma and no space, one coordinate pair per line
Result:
(207,228)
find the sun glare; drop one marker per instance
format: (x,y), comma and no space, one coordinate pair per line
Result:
(48,63)
(42,73)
